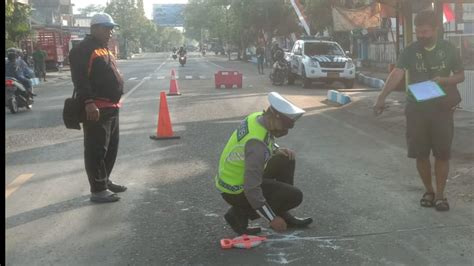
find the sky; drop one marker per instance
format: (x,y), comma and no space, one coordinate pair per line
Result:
(148,4)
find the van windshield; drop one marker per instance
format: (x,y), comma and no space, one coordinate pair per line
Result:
(311,49)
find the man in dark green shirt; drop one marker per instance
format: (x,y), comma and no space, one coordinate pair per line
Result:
(39,59)
(429,124)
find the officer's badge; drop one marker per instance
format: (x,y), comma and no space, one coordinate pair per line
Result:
(242,130)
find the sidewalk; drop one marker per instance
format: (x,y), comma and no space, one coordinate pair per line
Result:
(57,76)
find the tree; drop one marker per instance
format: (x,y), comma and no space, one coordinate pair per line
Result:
(17,23)
(239,22)
(91,9)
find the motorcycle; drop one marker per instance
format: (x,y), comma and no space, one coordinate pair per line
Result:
(182,60)
(16,96)
(280,72)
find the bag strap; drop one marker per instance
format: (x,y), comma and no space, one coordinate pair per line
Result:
(74,94)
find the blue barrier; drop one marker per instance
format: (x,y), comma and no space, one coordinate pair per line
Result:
(369,81)
(338,97)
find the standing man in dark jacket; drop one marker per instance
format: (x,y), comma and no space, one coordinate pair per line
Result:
(99,86)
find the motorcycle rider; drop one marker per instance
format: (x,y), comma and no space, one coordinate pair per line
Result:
(277,52)
(182,51)
(280,62)
(25,69)
(13,70)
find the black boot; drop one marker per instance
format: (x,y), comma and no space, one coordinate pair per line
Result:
(239,222)
(296,222)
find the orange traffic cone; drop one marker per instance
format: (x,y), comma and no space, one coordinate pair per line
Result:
(164,129)
(174,88)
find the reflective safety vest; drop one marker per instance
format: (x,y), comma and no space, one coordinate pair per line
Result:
(230,178)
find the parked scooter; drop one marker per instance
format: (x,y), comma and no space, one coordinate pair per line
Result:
(279,73)
(16,96)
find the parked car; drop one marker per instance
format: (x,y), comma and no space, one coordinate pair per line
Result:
(320,60)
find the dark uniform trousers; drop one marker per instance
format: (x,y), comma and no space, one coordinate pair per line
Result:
(277,187)
(101,141)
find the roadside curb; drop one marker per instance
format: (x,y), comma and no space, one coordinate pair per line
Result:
(370,81)
(338,97)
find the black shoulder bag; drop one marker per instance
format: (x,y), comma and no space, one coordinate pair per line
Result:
(73,112)
(452,98)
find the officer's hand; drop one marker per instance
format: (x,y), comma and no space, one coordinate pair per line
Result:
(92,112)
(287,152)
(278,224)
(379,106)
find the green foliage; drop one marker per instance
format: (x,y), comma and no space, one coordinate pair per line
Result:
(137,31)
(239,23)
(320,9)
(17,24)
(90,9)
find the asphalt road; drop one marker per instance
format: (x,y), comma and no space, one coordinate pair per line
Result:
(358,185)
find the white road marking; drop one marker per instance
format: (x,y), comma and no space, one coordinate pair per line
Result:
(189,77)
(138,85)
(202,77)
(132,78)
(162,77)
(147,78)
(215,64)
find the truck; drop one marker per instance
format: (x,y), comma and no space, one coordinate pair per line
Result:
(320,60)
(51,40)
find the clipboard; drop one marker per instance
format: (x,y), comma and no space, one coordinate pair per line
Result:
(426,90)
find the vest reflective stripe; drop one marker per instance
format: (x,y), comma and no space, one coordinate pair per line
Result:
(230,178)
(229,187)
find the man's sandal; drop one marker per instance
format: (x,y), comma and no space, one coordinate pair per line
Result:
(427,200)
(441,205)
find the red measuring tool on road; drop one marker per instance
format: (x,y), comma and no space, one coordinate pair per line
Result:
(243,241)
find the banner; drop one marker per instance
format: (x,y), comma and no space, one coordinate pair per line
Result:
(359,18)
(301,16)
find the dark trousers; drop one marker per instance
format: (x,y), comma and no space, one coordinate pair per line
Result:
(25,82)
(260,65)
(277,187)
(101,141)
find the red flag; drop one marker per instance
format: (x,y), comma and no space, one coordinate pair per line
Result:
(448,14)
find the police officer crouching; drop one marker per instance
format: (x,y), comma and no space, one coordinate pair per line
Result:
(256,175)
